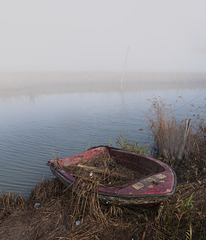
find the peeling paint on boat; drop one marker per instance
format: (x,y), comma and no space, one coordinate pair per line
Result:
(148,190)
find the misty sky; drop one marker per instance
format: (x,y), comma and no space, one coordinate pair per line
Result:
(97,35)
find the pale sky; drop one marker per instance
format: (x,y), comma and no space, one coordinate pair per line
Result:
(97,35)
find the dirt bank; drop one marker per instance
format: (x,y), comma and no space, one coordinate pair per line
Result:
(183,216)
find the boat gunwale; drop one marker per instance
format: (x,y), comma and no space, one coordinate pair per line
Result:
(116,195)
(112,194)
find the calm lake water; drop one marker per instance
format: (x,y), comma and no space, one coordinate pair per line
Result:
(37,126)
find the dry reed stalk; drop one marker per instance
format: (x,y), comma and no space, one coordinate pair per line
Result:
(9,201)
(86,199)
(104,170)
(86,231)
(168,135)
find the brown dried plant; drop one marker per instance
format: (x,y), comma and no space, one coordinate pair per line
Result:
(169,133)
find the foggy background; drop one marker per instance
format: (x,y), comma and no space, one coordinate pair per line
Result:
(106,35)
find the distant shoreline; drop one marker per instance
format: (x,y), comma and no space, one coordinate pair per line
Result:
(33,83)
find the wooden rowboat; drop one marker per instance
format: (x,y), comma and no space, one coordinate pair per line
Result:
(157,181)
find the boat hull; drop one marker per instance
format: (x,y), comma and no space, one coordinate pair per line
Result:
(156,185)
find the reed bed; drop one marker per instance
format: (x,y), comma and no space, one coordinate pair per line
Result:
(170,138)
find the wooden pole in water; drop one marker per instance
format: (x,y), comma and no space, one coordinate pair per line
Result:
(182,145)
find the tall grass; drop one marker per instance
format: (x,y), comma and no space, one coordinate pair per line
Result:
(169,136)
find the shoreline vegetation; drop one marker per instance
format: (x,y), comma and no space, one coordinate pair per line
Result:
(52,211)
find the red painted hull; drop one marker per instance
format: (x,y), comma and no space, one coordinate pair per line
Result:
(158,180)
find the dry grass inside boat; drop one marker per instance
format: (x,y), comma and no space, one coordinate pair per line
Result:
(104,170)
